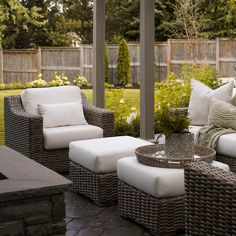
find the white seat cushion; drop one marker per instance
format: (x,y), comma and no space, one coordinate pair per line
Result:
(33,96)
(227,145)
(158,182)
(101,155)
(60,137)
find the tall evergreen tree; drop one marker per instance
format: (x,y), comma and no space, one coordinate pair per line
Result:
(123,72)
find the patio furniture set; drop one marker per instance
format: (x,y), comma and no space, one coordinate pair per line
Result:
(106,170)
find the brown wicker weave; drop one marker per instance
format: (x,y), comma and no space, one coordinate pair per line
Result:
(145,156)
(24,132)
(101,188)
(162,216)
(231,161)
(210,201)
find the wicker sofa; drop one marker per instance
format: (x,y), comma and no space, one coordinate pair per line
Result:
(210,207)
(24,132)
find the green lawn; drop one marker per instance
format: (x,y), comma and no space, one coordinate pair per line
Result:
(131,95)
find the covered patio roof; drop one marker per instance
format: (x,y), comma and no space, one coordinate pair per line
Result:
(147,41)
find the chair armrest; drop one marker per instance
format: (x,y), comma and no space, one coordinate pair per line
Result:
(205,173)
(209,199)
(23,132)
(98,116)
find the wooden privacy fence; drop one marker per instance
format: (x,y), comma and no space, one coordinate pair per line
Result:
(23,65)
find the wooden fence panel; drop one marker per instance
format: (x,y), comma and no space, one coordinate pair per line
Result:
(87,62)
(23,65)
(194,51)
(19,65)
(227,57)
(61,60)
(161,57)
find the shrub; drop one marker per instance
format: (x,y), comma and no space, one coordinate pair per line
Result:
(15,85)
(123,73)
(81,82)
(127,118)
(59,80)
(106,65)
(175,92)
(38,82)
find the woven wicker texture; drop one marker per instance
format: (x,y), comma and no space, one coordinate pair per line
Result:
(145,156)
(180,146)
(231,161)
(162,216)
(101,188)
(24,132)
(210,201)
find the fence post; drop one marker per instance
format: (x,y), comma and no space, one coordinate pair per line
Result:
(82,60)
(39,61)
(169,57)
(1,67)
(218,54)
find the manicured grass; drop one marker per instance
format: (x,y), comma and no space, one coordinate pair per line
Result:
(132,95)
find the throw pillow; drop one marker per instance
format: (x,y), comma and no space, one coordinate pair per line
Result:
(200,100)
(62,114)
(222,114)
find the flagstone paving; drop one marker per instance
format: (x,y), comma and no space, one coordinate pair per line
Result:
(86,219)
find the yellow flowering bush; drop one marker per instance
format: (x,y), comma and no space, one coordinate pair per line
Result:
(81,82)
(59,80)
(38,82)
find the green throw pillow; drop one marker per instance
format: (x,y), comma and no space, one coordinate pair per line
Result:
(222,114)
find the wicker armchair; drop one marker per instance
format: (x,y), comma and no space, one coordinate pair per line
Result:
(210,203)
(24,132)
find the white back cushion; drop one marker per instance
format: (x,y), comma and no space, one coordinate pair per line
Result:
(62,114)
(33,96)
(199,103)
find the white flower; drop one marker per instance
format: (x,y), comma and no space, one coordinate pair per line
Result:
(122,101)
(132,116)
(133,109)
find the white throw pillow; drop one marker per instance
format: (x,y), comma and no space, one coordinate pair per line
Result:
(62,114)
(199,104)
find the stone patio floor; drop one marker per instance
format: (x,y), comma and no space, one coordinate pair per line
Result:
(83,218)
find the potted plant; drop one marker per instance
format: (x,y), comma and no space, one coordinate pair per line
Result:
(174,125)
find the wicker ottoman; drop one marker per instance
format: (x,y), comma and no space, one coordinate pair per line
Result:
(152,196)
(93,166)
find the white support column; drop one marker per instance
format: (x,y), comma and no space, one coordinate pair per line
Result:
(147,43)
(98,53)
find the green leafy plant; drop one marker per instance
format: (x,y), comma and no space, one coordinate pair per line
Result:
(81,82)
(59,80)
(169,122)
(123,73)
